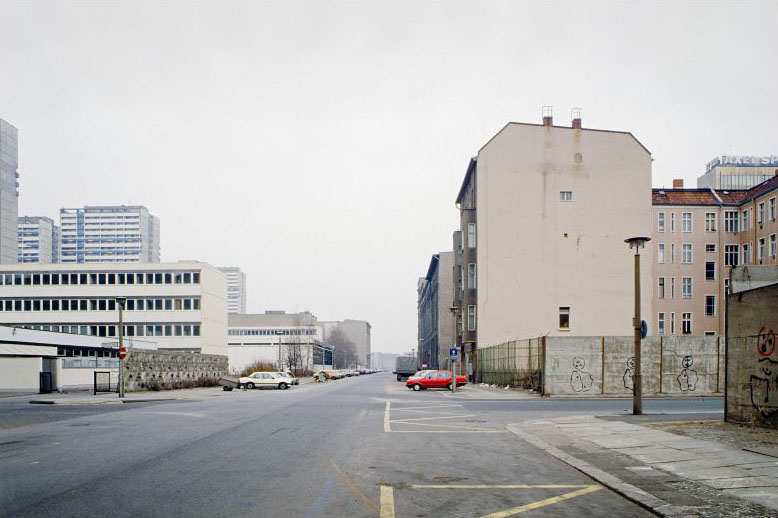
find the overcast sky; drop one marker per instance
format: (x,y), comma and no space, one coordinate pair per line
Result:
(319,146)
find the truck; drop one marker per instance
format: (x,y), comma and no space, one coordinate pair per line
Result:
(405,367)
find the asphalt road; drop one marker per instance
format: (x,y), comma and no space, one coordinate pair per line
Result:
(357,447)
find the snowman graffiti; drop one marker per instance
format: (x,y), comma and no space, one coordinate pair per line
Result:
(687,379)
(580,380)
(629,373)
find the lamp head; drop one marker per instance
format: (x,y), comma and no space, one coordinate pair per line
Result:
(637,242)
(121,301)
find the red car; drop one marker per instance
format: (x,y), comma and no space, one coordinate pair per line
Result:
(433,379)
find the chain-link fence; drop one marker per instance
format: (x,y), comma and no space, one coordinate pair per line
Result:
(515,364)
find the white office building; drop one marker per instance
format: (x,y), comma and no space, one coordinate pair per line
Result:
(287,340)
(106,234)
(179,306)
(9,192)
(236,289)
(38,238)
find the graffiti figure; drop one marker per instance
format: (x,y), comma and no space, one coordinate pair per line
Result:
(580,380)
(629,382)
(764,385)
(687,379)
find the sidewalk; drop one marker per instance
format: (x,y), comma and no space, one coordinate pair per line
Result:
(670,474)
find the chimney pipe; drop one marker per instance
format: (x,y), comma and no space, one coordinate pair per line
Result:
(548,119)
(576,118)
(678,183)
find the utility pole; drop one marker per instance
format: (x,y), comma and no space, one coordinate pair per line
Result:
(120,301)
(637,378)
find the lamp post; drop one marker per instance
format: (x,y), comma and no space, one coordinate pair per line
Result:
(121,301)
(279,332)
(637,382)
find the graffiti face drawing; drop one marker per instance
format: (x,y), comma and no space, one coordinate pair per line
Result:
(580,380)
(629,382)
(764,384)
(687,379)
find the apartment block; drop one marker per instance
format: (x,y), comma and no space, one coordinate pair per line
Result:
(38,238)
(236,288)
(698,236)
(179,306)
(109,233)
(544,213)
(435,319)
(9,192)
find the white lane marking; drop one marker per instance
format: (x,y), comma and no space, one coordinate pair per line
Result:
(387,502)
(387,420)
(428,418)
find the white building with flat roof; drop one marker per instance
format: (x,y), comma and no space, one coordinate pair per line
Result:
(181,306)
(9,191)
(109,233)
(236,289)
(38,238)
(288,340)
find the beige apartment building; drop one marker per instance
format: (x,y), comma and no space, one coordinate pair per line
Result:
(698,235)
(554,205)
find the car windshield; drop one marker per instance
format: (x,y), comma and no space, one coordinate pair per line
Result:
(421,374)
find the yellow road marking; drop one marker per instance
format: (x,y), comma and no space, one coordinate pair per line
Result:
(499,486)
(387,502)
(542,503)
(352,487)
(428,418)
(387,421)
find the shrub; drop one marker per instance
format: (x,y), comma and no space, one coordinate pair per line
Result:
(259,366)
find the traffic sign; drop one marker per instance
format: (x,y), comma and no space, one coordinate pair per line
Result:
(122,352)
(453,353)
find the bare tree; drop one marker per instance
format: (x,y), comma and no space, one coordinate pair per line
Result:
(344,352)
(297,349)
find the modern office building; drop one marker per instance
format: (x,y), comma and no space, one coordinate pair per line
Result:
(383,361)
(179,306)
(37,240)
(738,172)
(698,236)
(435,318)
(105,234)
(9,192)
(549,208)
(287,340)
(358,332)
(236,289)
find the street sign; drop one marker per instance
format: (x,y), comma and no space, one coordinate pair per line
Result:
(122,352)
(643,329)
(453,353)
(424,365)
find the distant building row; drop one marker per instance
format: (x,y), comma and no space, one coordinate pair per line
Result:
(544,212)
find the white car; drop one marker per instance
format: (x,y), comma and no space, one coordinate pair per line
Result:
(266,379)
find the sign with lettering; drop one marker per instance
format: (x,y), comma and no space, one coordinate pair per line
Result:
(743,161)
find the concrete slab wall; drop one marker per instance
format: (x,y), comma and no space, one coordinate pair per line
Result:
(20,373)
(752,351)
(604,365)
(152,370)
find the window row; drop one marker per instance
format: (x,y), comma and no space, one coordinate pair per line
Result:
(270,332)
(741,254)
(662,323)
(102,304)
(53,279)
(734,220)
(110,330)
(686,253)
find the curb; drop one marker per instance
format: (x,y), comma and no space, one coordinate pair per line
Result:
(635,494)
(98,402)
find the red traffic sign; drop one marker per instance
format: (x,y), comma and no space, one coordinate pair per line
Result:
(122,352)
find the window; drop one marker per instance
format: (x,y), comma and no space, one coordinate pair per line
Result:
(771,210)
(710,247)
(660,224)
(686,221)
(471,235)
(660,324)
(471,276)
(471,318)
(686,323)
(672,253)
(686,287)
(744,225)
(660,251)
(686,256)
(564,318)
(672,287)
(672,222)
(565,195)
(661,288)
(461,278)
(710,305)
(746,255)
(760,250)
(672,323)
(760,214)
(730,221)
(710,222)
(731,254)
(772,245)
(710,270)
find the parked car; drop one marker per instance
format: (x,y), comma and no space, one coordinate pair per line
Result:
(295,379)
(433,379)
(266,379)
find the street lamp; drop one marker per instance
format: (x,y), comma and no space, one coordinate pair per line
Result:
(637,384)
(121,301)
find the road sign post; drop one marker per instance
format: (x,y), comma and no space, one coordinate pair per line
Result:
(453,353)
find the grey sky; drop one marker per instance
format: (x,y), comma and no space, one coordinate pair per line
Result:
(320,145)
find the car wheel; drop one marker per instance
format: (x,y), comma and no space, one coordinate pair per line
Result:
(416,387)
(249,385)
(283,386)
(226,388)
(448,386)
(399,378)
